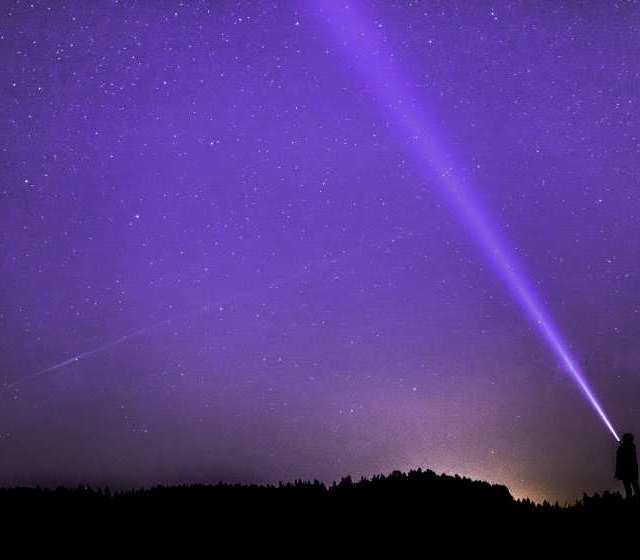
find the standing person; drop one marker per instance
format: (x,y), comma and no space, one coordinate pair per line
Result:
(627,466)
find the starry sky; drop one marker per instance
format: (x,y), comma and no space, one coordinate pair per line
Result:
(222,259)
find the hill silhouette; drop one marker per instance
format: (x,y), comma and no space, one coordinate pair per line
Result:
(394,498)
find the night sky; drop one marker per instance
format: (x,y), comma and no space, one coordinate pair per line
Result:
(223,257)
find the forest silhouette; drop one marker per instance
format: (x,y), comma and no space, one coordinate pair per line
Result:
(416,495)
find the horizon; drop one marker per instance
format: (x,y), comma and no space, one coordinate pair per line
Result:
(126,487)
(122,485)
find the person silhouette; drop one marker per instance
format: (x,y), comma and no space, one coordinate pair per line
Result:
(627,466)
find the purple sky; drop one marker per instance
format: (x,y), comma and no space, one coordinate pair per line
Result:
(215,208)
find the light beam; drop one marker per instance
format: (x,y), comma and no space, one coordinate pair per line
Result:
(366,47)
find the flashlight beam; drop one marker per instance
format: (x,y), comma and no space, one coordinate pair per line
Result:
(366,48)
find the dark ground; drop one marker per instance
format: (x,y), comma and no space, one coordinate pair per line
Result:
(399,499)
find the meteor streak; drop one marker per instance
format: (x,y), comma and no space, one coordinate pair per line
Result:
(86,354)
(366,48)
(304,269)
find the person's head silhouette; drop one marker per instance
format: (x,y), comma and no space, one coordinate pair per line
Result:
(627,439)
